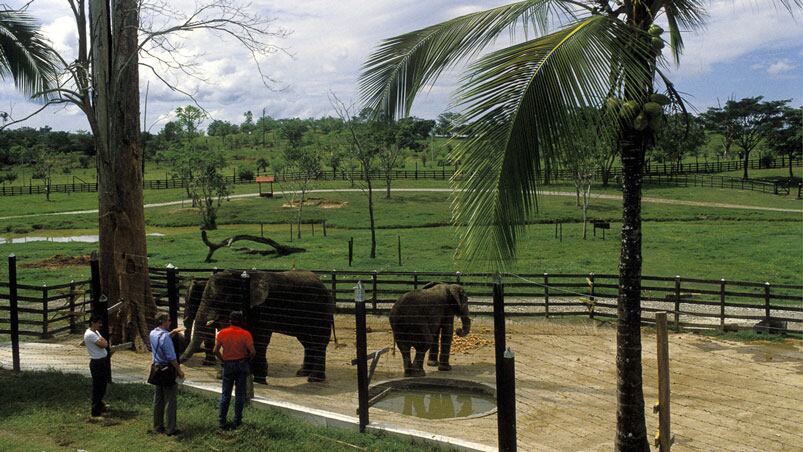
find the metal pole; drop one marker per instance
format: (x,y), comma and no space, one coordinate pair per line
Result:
(172,295)
(677,303)
(505,415)
(507,393)
(15,320)
(546,295)
(362,352)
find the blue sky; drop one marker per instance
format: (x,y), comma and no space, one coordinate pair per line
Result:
(747,49)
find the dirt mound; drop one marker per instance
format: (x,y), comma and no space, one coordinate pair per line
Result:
(317,202)
(59,261)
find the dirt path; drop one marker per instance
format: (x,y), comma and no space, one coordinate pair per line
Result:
(646,199)
(725,395)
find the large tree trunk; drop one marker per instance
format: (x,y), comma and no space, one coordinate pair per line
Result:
(123,254)
(631,429)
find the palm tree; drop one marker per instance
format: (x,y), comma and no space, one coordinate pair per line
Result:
(25,55)
(520,105)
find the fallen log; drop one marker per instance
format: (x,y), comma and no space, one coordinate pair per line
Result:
(281,250)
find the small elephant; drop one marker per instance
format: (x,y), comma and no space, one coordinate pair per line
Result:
(295,303)
(195,293)
(423,319)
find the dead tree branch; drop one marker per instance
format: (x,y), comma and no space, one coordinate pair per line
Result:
(281,250)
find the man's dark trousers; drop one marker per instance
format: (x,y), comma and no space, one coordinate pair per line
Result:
(235,374)
(99,369)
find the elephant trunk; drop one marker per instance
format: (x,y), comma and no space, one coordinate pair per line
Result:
(466,328)
(192,347)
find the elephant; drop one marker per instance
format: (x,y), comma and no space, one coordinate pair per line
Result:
(192,300)
(295,303)
(423,319)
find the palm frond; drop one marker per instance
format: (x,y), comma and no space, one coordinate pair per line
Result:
(685,15)
(521,104)
(25,55)
(401,66)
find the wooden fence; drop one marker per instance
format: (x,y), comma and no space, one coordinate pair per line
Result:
(690,302)
(654,173)
(46,311)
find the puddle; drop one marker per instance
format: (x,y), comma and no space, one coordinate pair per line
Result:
(92,238)
(436,404)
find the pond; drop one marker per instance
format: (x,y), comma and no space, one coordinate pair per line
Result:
(434,398)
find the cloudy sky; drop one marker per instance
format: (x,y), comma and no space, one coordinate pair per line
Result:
(748,48)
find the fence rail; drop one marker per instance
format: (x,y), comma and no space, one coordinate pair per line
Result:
(656,173)
(47,311)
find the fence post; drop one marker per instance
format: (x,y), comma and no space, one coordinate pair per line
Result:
(398,237)
(677,303)
(722,304)
(72,306)
(94,285)
(334,285)
(546,295)
(373,291)
(767,305)
(591,296)
(506,399)
(415,280)
(45,313)
(324,228)
(457,277)
(362,352)
(664,438)
(246,301)
(172,295)
(351,250)
(14,317)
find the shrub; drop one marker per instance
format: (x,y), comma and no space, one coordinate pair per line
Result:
(246,174)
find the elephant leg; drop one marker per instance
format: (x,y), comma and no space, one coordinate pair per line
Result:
(433,348)
(316,362)
(418,364)
(209,358)
(446,344)
(260,364)
(405,352)
(305,367)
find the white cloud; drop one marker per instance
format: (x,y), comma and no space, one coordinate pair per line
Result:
(781,66)
(331,40)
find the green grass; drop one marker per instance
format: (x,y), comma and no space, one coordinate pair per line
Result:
(49,411)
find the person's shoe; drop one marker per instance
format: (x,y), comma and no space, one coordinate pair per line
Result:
(223,427)
(97,418)
(106,408)
(236,425)
(156,431)
(175,432)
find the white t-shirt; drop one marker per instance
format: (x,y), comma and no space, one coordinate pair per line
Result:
(90,339)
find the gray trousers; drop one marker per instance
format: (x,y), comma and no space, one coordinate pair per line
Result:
(165,397)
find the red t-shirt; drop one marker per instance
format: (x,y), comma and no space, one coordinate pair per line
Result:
(235,342)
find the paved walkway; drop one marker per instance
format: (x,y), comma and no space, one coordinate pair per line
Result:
(646,199)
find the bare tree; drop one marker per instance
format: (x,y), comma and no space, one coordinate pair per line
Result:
(361,147)
(103,81)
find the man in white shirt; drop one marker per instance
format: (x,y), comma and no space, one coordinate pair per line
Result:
(98,365)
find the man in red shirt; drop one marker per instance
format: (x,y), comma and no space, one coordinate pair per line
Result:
(237,351)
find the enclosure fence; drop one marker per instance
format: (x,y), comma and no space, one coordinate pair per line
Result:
(564,378)
(682,174)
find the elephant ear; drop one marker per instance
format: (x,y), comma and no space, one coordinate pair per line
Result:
(260,287)
(453,293)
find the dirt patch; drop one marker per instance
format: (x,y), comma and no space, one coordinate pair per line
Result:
(726,395)
(59,261)
(316,202)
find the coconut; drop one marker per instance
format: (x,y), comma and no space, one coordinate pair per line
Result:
(660,99)
(652,109)
(657,123)
(612,104)
(655,30)
(640,122)
(657,43)
(629,109)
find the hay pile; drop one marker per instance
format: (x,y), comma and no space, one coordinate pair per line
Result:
(472,342)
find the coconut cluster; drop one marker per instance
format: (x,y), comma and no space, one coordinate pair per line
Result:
(640,116)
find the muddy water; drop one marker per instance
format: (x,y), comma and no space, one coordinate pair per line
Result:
(434,404)
(66,239)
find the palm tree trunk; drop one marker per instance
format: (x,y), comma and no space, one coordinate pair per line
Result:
(631,427)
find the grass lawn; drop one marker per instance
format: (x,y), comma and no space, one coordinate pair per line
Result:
(50,411)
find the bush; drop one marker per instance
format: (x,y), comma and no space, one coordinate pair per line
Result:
(246,174)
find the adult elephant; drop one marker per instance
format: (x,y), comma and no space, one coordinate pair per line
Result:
(192,301)
(424,319)
(295,303)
